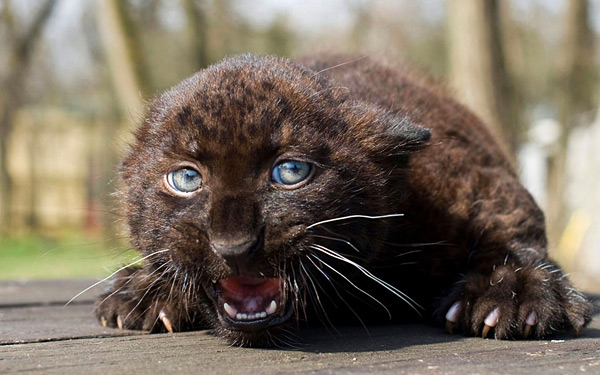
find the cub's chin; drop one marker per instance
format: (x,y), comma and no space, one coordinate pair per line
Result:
(249,309)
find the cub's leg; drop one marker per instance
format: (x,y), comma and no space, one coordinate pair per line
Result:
(513,300)
(511,288)
(138,299)
(473,198)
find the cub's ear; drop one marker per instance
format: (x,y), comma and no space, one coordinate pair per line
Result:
(383,132)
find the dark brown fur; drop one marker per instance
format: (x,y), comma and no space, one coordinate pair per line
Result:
(470,232)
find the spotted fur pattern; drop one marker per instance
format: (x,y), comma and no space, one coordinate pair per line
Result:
(382,142)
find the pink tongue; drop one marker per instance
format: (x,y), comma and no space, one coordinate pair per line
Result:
(250,295)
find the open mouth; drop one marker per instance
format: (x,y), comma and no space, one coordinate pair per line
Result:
(250,304)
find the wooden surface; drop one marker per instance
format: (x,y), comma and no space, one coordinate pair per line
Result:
(39,335)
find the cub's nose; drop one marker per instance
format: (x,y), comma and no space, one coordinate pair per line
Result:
(237,253)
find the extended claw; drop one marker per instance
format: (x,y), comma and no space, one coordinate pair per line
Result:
(103,321)
(490,322)
(486,329)
(529,323)
(166,322)
(119,322)
(452,316)
(527,331)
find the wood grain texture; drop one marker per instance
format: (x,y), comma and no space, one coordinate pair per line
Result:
(51,339)
(48,292)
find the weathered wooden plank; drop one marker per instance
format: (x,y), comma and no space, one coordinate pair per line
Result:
(48,323)
(45,337)
(17,293)
(390,350)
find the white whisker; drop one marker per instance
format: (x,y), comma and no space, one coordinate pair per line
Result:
(131,277)
(417,244)
(337,239)
(397,292)
(112,274)
(338,65)
(353,217)
(407,253)
(348,280)
(317,296)
(337,292)
(148,289)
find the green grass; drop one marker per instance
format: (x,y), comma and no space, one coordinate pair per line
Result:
(28,258)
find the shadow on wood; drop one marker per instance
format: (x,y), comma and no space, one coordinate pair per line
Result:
(39,334)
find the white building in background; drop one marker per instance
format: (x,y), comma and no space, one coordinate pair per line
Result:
(533,156)
(583,196)
(581,238)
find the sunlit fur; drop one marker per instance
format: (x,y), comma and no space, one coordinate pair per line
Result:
(411,207)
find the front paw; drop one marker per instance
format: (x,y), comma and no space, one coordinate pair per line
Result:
(516,302)
(132,303)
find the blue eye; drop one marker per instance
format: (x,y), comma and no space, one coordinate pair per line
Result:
(184,180)
(292,172)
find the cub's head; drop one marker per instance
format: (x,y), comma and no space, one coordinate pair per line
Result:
(233,171)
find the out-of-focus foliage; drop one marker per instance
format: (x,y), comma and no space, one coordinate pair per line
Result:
(36,257)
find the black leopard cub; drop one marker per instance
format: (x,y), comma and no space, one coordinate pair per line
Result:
(264,193)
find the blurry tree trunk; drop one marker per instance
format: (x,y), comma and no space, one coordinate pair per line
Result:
(12,94)
(197,29)
(478,66)
(576,85)
(279,37)
(130,83)
(123,55)
(222,36)
(32,219)
(362,23)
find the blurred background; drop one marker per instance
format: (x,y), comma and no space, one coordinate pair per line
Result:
(74,76)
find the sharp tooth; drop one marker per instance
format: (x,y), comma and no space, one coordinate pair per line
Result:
(272,308)
(244,316)
(238,316)
(231,311)
(263,314)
